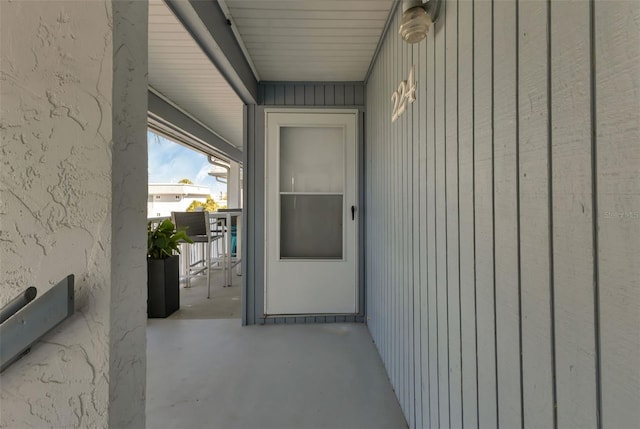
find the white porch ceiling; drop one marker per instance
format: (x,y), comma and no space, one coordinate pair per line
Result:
(310,40)
(283,40)
(182,72)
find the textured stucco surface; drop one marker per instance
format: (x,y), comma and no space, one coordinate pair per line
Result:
(66,118)
(129,217)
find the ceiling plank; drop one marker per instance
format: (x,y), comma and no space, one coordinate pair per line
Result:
(307,23)
(264,13)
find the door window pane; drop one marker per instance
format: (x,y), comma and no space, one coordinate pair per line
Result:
(311,226)
(311,159)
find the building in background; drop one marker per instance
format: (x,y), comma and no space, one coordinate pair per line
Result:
(167,197)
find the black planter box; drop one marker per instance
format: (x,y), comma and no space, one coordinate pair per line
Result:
(163,286)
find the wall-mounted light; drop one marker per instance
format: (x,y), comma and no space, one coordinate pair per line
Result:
(417,18)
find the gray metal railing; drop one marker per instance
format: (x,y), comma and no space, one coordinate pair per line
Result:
(25,320)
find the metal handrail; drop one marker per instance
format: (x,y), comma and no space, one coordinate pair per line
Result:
(25,319)
(17,303)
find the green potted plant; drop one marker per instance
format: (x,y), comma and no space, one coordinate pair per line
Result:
(163,275)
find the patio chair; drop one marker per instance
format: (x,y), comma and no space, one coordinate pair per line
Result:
(204,233)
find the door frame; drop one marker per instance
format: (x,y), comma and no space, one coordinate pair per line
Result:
(359,198)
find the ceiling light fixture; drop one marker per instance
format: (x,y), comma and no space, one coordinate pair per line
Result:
(417,18)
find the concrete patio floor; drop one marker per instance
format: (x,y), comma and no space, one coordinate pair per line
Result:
(225,302)
(218,374)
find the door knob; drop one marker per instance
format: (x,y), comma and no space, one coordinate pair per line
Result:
(353,212)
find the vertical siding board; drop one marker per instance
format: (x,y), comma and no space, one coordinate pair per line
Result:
(400,127)
(299,94)
(391,76)
(572,217)
(289,94)
(329,95)
(402,250)
(415,236)
(431,236)
(422,202)
(467,263)
(393,338)
(537,371)
(373,215)
(408,245)
(453,273)
(309,95)
(506,222)
(374,207)
(385,212)
(359,95)
(409,233)
(366,220)
(394,217)
(319,95)
(397,220)
(387,224)
(372,144)
(385,284)
(279,97)
(339,94)
(388,285)
(395,350)
(382,268)
(369,219)
(408,308)
(439,37)
(349,95)
(380,213)
(483,136)
(269,95)
(618,208)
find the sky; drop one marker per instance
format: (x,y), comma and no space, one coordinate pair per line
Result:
(171,162)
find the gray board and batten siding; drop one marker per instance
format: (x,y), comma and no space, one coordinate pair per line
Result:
(503,216)
(289,95)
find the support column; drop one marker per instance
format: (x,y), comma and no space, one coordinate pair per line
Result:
(234,186)
(73,187)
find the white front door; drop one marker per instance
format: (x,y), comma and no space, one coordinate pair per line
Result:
(311,213)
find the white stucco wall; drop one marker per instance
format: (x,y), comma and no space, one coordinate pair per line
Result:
(72,191)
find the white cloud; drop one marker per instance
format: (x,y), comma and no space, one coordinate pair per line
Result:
(170,162)
(203,173)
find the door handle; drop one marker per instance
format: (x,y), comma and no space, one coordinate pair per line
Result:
(353,212)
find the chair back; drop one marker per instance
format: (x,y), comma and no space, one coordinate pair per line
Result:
(197,223)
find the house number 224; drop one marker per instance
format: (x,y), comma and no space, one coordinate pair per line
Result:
(406,92)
